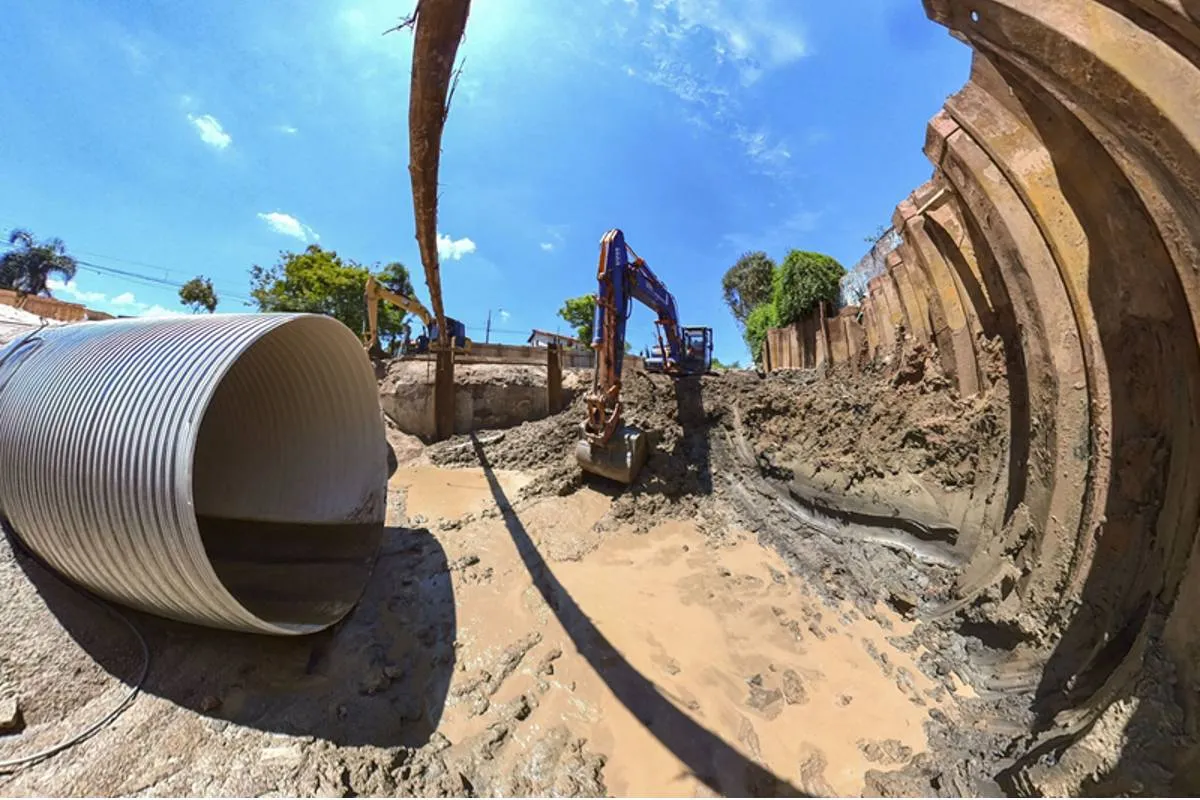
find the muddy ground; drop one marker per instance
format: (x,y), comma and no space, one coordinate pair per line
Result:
(754,616)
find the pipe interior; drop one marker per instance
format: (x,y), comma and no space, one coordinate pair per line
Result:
(289,475)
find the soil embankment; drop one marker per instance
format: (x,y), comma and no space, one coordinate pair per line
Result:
(530,631)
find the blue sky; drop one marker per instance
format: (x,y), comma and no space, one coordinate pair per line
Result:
(173,139)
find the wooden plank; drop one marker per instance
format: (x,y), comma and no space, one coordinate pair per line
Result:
(443,395)
(553,380)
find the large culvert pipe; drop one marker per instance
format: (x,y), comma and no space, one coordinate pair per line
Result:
(226,470)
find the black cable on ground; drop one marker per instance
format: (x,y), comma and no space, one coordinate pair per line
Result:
(13,764)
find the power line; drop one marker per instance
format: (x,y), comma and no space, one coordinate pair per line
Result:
(136,277)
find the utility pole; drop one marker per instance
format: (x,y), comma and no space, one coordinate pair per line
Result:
(487,334)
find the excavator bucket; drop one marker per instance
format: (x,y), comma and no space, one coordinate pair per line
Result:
(619,459)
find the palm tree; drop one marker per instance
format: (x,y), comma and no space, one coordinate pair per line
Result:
(30,265)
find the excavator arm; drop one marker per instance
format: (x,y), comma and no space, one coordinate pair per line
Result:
(608,447)
(375,292)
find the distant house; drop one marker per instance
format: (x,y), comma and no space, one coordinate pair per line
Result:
(545,338)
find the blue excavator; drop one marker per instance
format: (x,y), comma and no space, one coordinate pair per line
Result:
(609,447)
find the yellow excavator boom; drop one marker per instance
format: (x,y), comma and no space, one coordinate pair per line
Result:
(376,292)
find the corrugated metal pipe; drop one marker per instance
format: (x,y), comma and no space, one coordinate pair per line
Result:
(226,470)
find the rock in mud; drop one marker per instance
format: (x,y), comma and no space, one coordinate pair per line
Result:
(812,773)
(888,751)
(794,690)
(11,720)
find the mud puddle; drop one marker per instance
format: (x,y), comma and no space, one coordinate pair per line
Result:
(433,493)
(676,664)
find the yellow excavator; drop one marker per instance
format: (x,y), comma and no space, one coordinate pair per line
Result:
(375,291)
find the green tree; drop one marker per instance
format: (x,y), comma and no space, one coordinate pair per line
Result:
(580,313)
(320,281)
(761,319)
(803,280)
(396,278)
(748,284)
(718,364)
(197,294)
(30,265)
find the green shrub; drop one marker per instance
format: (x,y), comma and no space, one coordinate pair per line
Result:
(802,281)
(758,322)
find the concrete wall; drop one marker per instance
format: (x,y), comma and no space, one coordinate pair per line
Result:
(485,396)
(525,354)
(1062,221)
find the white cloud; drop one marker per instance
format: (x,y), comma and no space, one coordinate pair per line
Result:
(289,226)
(125,303)
(158,311)
(503,315)
(769,156)
(288,129)
(71,289)
(211,131)
(453,249)
(756,34)
(547,246)
(708,52)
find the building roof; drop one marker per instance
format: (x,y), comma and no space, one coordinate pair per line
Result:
(557,336)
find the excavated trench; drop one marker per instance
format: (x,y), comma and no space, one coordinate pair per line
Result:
(999,443)
(1002,439)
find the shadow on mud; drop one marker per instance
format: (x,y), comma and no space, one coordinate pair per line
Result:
(714,762)
(379,677)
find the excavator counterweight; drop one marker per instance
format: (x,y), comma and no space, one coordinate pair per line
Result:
(609,447)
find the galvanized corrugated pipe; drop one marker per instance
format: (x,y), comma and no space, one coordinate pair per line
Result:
(226,470)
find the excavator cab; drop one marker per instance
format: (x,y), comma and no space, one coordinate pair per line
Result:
(696,358)
(458,333)
(697,350)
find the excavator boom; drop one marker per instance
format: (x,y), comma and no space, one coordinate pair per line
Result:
(609,447)
(375,292)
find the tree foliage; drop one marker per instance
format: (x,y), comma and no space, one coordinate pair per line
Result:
(718,364)
(30,265)
(748,284)
(802,281)
(580,313)
(396,278)
(760,320)
(320,281)
(197,294)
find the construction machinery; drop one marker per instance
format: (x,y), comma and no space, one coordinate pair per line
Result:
(375,291)
(609,447)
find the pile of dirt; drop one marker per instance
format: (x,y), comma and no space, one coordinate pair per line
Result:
(903,440)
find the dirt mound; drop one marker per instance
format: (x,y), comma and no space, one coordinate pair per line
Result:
(902,441)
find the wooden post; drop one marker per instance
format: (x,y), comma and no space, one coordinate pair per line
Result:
(553,379)
(822,354)
(443,394)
